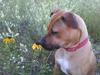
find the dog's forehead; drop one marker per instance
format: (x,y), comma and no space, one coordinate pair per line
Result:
(54,19)
(59,25)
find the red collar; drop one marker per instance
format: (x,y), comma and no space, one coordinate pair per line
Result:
(81,44)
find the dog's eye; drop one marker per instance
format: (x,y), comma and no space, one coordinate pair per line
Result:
(54,33)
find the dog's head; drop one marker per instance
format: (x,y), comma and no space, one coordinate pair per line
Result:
(63,31)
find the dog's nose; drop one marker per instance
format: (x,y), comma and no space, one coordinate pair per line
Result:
(41,41)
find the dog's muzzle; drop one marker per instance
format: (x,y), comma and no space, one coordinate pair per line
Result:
(46,45)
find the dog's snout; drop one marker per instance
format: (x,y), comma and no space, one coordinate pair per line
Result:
(41,41)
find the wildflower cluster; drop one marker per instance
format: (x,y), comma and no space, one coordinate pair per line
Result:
(8,40)
(36,46)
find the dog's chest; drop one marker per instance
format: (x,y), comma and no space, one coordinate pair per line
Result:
(64,64)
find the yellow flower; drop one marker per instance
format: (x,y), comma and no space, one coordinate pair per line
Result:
(35,46)
(8,40)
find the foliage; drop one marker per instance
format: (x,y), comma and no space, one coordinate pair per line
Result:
(26,21)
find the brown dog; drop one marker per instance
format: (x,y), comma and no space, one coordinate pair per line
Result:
(67,33)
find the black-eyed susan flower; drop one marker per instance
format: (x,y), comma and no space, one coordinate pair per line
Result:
(36,46)
(8,40)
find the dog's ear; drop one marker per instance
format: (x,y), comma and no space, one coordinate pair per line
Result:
(54,11)
(70,20)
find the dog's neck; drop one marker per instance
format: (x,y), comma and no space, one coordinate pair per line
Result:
(83,39)
(78,46)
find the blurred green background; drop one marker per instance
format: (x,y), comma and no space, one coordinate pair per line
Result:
(26,21)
